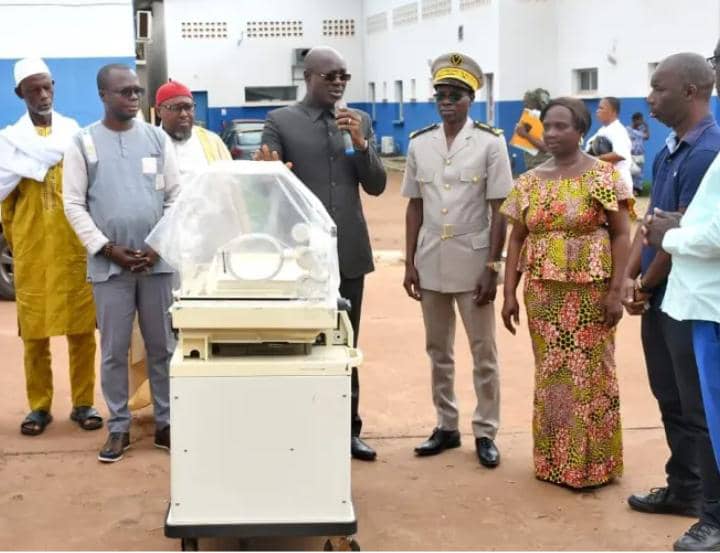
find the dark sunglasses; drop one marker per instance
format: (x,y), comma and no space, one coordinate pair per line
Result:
(330,77)
(129,91)
(713,60)
(179,108)
(453,97)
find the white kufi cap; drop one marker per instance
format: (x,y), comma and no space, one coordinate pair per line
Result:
(29,66)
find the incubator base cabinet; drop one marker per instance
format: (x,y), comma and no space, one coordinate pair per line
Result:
(260,378)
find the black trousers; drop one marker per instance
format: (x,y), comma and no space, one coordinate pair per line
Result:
(674,381)
(352,289)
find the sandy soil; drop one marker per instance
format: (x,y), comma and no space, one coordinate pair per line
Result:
(55,495)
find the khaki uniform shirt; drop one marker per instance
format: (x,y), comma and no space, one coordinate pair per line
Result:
(455,186)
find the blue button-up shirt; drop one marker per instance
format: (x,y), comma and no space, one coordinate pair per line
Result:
(677,171)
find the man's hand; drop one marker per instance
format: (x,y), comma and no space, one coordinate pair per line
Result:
(264,154)
(148,258)
(612,308)
(486,288)
(126,257)
(511,313)
(348,120)
(657,224)
(411,282)
(521,130)
(635,301)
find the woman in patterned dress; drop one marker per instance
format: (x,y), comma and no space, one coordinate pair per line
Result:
(570,237)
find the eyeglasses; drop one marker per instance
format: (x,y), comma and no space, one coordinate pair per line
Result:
(453,97)
(330,77)
(179,108)
(129,91)
(714,61)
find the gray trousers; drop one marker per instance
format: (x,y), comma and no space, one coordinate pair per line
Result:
(479,322)
(116,301)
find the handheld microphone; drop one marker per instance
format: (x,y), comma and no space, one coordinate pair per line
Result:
(347,139)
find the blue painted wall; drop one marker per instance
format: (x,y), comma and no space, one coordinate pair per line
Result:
(75,88)
(420,114)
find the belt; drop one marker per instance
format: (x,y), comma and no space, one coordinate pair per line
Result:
(451,231)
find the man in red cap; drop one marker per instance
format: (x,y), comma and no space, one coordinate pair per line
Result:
(194,146)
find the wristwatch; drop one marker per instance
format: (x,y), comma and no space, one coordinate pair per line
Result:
(494,266)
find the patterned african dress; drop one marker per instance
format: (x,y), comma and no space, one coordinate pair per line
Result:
(567,263)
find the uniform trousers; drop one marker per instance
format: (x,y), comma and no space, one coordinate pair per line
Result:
(117,300)
(38,372)
(479,322)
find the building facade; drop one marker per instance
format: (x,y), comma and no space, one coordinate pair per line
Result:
(243,58)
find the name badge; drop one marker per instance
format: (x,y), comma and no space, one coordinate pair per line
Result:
(159,182)
(149,165)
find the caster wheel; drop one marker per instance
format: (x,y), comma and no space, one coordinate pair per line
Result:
(342,544)
(189,544)
(328,546)
(354,545)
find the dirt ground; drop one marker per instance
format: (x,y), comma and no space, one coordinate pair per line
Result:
(55,495)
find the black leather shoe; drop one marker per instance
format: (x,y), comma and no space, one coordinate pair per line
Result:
(439,441)
(162,438)
(116,444)
(700,537)
(487,453)
(360,450)
(664,501)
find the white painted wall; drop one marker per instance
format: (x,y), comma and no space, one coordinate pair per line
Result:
(538,43)
(405,52)
(68,29)
(224,67)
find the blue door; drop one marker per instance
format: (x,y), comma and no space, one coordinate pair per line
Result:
(201,107)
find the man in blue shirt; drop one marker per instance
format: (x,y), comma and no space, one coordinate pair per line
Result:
(693,291)
(680,98)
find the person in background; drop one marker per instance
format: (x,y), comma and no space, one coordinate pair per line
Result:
(613,130)
(570,237)
(534,100)
(195,147)
(53,295)
(639,133)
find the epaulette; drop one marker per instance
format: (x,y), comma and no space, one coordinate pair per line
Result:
(423,130)
(488,128)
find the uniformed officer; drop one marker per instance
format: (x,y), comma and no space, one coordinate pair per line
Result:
(457,175)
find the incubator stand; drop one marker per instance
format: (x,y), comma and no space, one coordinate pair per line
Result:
(260,378)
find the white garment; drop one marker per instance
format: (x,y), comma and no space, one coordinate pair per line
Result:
(190,156)
(617,134)
(693,289)
(26,154)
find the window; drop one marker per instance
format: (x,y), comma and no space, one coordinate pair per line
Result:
(338,27)
(435,8)
(373,99)
(489,98)
(270,93)
(586,80)
(470,4)
(376,23)
(405,15)
(413,91)
(399,99)
(384,98)
(274,29)
(461,33)
(203,29)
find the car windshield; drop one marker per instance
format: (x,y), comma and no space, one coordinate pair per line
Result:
(249,138)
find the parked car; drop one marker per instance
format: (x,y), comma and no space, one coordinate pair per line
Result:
(7,288)
(242,137)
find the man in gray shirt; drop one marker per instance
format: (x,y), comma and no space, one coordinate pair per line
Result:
(120,176)
(309,135)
